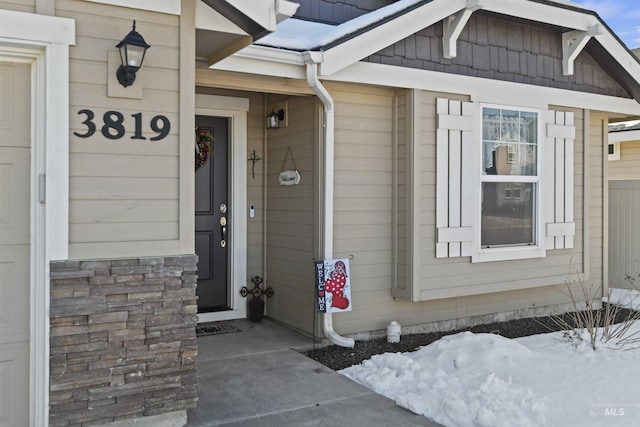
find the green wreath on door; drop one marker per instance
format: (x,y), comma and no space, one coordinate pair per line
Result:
(204,146)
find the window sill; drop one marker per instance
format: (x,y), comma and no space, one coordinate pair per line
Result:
(508,253)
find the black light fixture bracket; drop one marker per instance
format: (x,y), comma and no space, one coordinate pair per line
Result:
(126,75)
(279,114)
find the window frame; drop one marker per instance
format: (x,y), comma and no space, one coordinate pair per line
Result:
(510,252)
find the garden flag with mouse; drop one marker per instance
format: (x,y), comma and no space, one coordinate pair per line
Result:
(333,286)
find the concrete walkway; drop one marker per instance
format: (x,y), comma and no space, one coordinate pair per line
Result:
(255,378)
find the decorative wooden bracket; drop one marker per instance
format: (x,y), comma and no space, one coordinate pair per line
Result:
(572,44)
(453,26)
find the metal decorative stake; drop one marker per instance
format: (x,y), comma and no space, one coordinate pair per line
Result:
(254,159)
(256,304)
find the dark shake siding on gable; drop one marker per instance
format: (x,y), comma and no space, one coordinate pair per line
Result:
(498,49)
(337,11)
(491,46)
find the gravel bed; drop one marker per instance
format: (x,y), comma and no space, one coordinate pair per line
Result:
(337,358)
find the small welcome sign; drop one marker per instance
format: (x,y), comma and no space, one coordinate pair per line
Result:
(333,286)
(290,176)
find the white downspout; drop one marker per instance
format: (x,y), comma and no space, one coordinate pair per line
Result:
(327,238)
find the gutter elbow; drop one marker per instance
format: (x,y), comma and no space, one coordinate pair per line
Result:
(334,337)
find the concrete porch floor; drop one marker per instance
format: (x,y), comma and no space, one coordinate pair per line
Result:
(257,378)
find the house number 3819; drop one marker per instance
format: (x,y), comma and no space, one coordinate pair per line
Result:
(113,125)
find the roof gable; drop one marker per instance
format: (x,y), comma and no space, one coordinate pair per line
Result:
(360,37)
(336,47)
(496,47)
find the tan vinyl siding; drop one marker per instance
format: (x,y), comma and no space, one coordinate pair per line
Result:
(19,5)
(596,199)
(492,287)
(124,193)
(291,216)
(628,167)
(255,184)
(399,224)
(363,199)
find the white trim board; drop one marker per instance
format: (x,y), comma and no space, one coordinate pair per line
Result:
(30,28)
(624,136)
(164,6)
(236,110)
(482,90)
(44,42)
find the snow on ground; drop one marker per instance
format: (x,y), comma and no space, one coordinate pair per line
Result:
(490,381)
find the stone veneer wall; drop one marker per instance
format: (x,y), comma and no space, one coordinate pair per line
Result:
(123,342)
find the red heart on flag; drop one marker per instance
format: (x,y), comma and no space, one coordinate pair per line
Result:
(340,301)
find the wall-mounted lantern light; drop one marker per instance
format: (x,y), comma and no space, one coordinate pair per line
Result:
(132,49)
(274,119)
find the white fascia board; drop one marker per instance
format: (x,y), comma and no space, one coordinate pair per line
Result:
(624,136)
(171,7)
(270,62)
(620,54)
(386,34)
(255,66)
(37,28)
(482,90)
(285,9)
(282,56)
(262,12)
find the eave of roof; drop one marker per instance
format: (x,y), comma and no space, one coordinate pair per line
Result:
(623,128)
(343,45)
(325,36)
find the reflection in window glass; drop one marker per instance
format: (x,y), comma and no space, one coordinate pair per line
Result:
(509,142)
(508,214)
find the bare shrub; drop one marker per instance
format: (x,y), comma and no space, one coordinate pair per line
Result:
(588,322)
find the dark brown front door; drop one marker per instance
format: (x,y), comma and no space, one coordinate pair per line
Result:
(212,219)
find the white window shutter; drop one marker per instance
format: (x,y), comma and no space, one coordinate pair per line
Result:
(456,178)
(557,193)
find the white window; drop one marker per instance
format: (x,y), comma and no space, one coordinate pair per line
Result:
(504,181)
(509,178)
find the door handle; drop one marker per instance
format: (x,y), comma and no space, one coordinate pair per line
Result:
(223,230)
